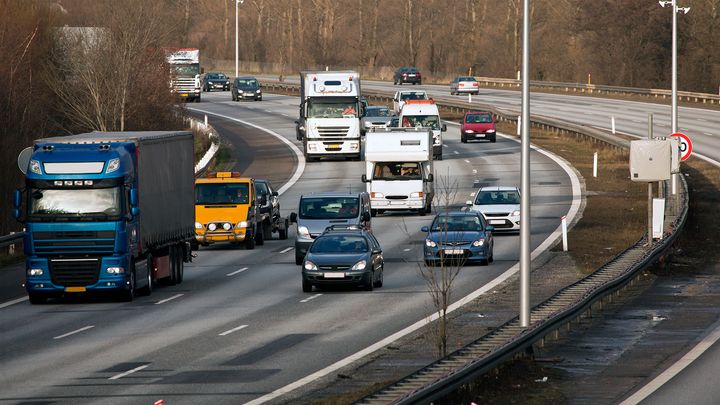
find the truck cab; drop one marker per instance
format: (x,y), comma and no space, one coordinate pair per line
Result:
(226,210)
(424,114)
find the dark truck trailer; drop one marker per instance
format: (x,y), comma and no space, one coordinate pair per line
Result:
(107,212)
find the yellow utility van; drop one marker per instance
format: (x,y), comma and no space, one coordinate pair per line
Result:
(226,210)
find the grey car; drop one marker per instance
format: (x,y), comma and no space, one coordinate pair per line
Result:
(318,211)
(464,84)
(375,117)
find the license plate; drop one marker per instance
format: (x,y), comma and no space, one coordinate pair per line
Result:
(454,251)
(497,222)
(183,94)
(334,146)
(479,135)
(75,289)
(334,275)
(411,75)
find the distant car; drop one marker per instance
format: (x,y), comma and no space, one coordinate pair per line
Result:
(394,122)
(375,117)
(407,75)
(458,237)
(477,125)
(500,205)
(343,255)
(215,81)
(246,87)
(402,96)
(464,84)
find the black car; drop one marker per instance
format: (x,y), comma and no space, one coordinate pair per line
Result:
(215,81)
(407,75)
(269,210)
(343,255)
(246,87)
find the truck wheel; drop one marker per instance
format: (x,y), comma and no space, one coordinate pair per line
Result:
(147,290)
(37,299)
(283,232)
(180,265)
(306,286)
(267,229)
(250,241)
(129,294)
(259,235)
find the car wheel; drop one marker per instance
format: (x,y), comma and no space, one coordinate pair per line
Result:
(267,229)
(370,284)
(259,235)
(250,241)
(421,211)
(493,139)
(283,233)
(379,282)
(298,260)
(306,286)
(462,139)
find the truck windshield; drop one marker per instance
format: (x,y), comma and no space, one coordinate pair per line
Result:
(324,108)
(397,171)
(186,70)
(329,207)
(222,193)
(94,204)
(421,121)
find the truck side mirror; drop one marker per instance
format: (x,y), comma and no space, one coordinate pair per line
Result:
(134,211)
(17,201)
(443,128)
(293,218)
(133,198)
(364,179)
(430,178)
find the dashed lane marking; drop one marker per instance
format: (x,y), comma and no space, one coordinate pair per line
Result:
(236,272)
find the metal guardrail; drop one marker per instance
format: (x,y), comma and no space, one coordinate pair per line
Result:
(446,375)
(8,240)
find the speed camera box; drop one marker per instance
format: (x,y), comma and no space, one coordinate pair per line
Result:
(650,160)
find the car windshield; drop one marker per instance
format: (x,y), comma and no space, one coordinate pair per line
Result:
(397,171)
(216,76)
(478,119)
(377,112)
(78,204)
(222,193)
(467,79)
(504,197)
(339,244)
(261,188)
(421,121)
(455,223)
(415,95)
(246,83)
(329,207)
(332,109)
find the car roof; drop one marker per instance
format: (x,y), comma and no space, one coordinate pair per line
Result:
(246,78)
(477,112)
(354,230)
(458,214)
(499,188)
(333,194)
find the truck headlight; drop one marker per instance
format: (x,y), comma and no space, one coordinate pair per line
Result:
(359,265)
(303,231)
(430,243)
(198,225)
(312,147)
(241,224)
(113,164)
(115,270)
(212,227)
(478,243)
(354,145)
(417,194)
(35,167)
(35,272)
(310,266)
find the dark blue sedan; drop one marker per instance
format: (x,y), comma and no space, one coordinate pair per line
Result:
(458,238)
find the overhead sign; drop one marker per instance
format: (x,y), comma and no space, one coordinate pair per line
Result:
(685,145)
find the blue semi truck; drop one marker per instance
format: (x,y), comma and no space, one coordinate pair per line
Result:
(106,212)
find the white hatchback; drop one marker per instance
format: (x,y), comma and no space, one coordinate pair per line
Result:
(500,205)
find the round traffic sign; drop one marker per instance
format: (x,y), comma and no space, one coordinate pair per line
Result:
(685,145)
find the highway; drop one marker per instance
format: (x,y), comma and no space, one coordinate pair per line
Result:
(239,327)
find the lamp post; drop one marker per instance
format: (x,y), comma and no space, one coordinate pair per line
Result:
(675,9)
(237,57)
(525,174)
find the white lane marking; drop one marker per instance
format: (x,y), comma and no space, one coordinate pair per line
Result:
(169,299)
(407,250)
(511,272)
(236,272)
(676,368)
(287,249)
(456,152)
(467,161)
(707,133)
(270,111)
(127,373)
(311,298)
(13,302)
(84,328)
(227,332)
(284,115)
(298,153)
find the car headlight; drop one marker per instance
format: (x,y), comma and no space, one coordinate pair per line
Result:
(258,91)
(212,227)
(35,272)
(417,194)
(303,231)
(227,226)
(240,91)
(478,243)
(242,224)
(115,270)
(469,131)
(198,225)
(515,213)
(301,127)
(490,131)
(359,265)
(430,243)
(310,266)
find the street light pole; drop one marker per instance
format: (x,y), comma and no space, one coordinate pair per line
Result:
(675,9)
(237,56)
(525,174)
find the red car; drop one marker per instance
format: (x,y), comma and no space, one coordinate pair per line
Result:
(477,125)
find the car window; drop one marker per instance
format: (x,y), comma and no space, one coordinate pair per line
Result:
(478,118)
(261,188)
(329,207)
(497,197)
(455,223)
(339,244)
(378,112)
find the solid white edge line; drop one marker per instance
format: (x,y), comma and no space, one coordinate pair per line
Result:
(227,332)
(169,299)
(84,328)
(301,158)
(13,302)
(126,373)
(574,209)
(236,272)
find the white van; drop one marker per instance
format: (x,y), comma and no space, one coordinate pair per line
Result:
(401,96)
(424,114)
(399,170)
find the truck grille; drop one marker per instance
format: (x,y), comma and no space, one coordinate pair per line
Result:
(64,243)
(74,272)
(333,131)
(184,85)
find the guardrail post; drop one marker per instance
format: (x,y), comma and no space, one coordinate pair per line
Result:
(11,248)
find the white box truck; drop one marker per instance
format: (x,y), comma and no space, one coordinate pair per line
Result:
(399,169)
(329,123)
(424,114)
(184,72)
